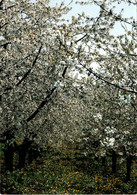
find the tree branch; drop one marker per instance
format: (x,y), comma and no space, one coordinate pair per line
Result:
(109,12)
(1,26)
(5,45)
(81,38)
(45,100)
(9,7)
(64,72)
(27,73)
(97,75)
(41,105)
(133,105)
(106,81)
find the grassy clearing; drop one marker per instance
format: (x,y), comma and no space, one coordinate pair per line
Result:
(67,172)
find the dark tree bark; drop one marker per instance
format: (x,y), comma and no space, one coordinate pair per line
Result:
(8,150)
(42,104)
(104,165)
(33,154)
(8,157)
(114,161)
(103,161)
(22,157)
(129,163)
(22,151)
(30,157)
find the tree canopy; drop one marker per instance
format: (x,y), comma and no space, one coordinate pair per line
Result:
(40,97)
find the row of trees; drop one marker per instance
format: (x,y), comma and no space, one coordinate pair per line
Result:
(100,124)
(42,103)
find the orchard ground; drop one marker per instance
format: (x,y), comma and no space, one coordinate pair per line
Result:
(67,171)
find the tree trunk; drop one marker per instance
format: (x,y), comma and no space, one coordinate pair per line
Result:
(30,156)
(8,155)
(114,161)
(104,165)
(22,151)
(22,156)
(103,161)
(33,154)
(129,163)
(8,150)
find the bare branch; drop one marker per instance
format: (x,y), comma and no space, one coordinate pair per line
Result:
(64,72)
(81,38)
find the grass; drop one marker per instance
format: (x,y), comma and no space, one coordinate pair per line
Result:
(67,172)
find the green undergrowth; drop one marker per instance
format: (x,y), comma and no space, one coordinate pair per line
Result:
(67,172)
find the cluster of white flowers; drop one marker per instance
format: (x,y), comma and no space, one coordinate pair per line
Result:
(39,52)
